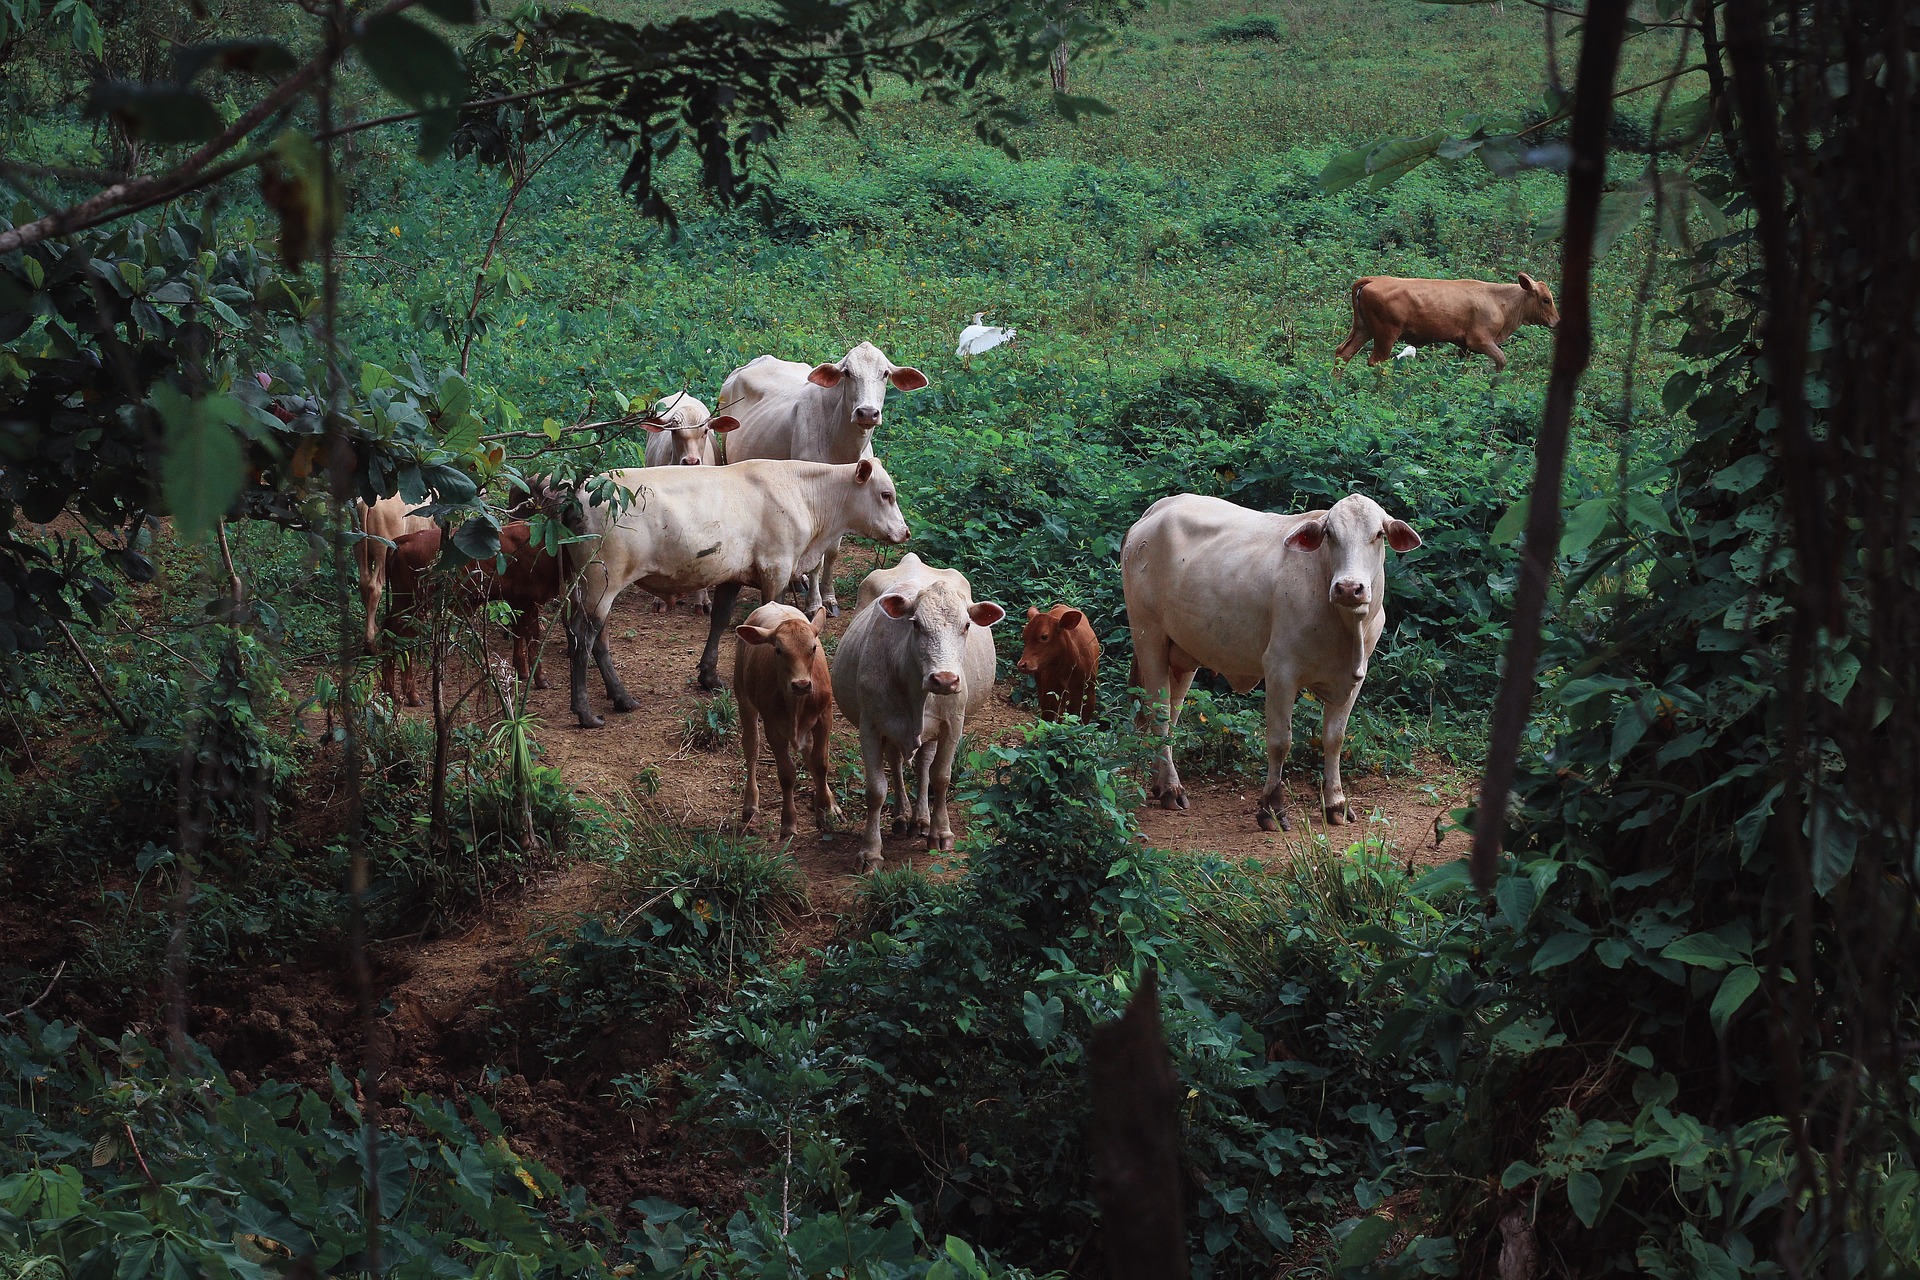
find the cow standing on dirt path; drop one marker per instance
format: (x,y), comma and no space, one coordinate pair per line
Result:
(1307,617)
(681,431)
(915,660)
(529,582)
(818,413)
(780,678)
(1475,315)
(1059,651)
(381,525)
(684,528)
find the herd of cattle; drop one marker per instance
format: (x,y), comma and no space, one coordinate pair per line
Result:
(1294,600)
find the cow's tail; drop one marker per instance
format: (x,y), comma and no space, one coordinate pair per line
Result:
(1358,335)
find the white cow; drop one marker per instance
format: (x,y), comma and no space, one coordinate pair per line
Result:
(681,435)
(383,523)
(823,413)
(685,528)
(1296,600)
(916,658)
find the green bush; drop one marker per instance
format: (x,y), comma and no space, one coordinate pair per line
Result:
(1252,27)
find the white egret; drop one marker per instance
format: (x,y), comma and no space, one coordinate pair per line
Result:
(981,336)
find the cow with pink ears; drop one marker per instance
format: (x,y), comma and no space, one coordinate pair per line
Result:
(818,413)
(1296,600)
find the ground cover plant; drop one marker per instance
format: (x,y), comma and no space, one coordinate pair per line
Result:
(1662,1024)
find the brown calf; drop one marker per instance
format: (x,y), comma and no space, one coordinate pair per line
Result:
(1063,658)
(780,677)
(1475,315)
(530,582)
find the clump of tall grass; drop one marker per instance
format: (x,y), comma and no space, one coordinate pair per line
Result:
(1255,26)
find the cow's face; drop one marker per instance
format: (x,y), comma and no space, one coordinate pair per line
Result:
(874,510)
(692,445)
(1354,536)
(795,645)
(1043,639)
(940,618)
(1540,308)
(863,378)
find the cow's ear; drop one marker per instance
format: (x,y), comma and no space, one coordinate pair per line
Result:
(1308,536)
(1526,282)
(654,425)
(826,375)
(1033,611)
(895,605)
(986,613)
(753,635)
(1071,619)
(819,620)
(1400,536)
(907,379)
(724,423)
(863,471)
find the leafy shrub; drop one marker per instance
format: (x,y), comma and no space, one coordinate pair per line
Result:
(702,909)
(707,725)
(975,1008)
(1217,739)
(1252,27)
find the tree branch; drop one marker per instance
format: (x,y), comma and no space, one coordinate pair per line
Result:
(1572,348)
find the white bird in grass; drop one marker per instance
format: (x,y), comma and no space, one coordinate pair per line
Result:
(1406,353)
(981,336)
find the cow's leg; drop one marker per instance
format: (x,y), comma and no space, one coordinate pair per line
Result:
(1339,708)
(789,778)
(924,762)
(902,796)
(373,580)
(872,758)
(826,809)
(1488,347)
(723,597)
(823,583)
(703,601)
(586,621)
(1382,347)
(1281,692)
(1355,340)
(940,833)
(1152,675)
(603,658)
(750,748)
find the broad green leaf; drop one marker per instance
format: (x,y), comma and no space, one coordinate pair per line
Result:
(201,473)
(412,63)
(162,114)
(1619,212)
(1742,475)
(1364,1243)
(1042,1017)
(478,538)
(1517,898)
(1834,842)
(1583,1194)
(1646,511)
(1561,948)
(1704,951)
(1735,989)
(1512,524)
(1584,523)
(552,428)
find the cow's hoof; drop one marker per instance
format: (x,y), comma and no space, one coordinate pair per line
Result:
(1338,816)
(827,820)
(871,862)
(588,720)
(540,682)
(833,608)
(659,606)
(941,844)
(624,704)
(747,816)
(1173,798)
(786,834)
(708,680)
(899,826)
(704,610)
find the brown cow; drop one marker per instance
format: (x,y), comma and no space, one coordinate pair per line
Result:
(1475,315)
(531,581)
(780,677)
(1063,658)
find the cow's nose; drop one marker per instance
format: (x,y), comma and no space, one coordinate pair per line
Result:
(1348,592)
(1023,665)
(943,682)
(867,416)
(689,462)
(801,686)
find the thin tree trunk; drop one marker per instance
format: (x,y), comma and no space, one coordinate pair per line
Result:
(1572,348)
